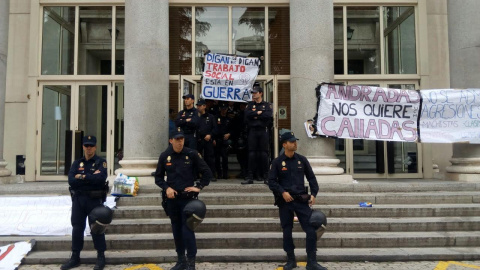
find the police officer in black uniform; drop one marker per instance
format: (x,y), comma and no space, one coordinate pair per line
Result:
(258,116)
(240,140)
(286,180)
(181,165)
(187,120)
(223,142)
(87,178)
(207,127)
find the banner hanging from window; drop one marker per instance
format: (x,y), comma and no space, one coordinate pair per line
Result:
(366,112)
(450,115)
(228,77)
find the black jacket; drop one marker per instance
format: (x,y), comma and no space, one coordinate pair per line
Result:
(287,174)
(181,169)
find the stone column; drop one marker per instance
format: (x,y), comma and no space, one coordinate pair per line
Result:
(311,59)
(146,86)
(464,46)
(4,14)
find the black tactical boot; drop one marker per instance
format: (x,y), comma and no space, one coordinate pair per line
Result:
(291,262)
(312,262)
(265,178)
(73,262)
(100,261)
(191,264)
(248,179)
(181,263)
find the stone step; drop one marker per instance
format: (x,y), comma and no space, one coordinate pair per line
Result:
(264,255)
(235,198)
(362,186)
(380,185)
(263,210)
(234,225)
(268,240)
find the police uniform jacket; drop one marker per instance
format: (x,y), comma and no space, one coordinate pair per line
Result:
(181,169)
(181,121)
(206,125)
(287,174)
(92,181)
(258,121)
(223,126)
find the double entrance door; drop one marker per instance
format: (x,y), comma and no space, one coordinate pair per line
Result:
(69,111)
(192,85)
(380,159)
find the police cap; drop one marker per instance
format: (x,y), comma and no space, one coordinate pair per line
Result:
(89,140)
(201,102)
(188,96)
(288,136)
(177,133)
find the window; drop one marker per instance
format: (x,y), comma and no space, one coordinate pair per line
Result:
(359,35)
(58,40)
(96,30)
(229,30)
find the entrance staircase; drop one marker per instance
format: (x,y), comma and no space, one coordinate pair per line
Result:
(410,220)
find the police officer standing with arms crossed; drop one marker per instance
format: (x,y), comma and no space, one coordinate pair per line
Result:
(181,165)
(258,116)
(87,178)
(187,120)
(286,180)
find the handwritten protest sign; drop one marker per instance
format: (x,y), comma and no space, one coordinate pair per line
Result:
(229,78)
(450,115)
(366,112)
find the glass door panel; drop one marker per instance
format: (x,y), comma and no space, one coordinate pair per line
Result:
(119,125)
(270,95)
(187,86)
(92,114)
(402,156)
(55,149)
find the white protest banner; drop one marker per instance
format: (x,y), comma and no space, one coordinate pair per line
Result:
(47,215)
(366,112)
(450,115)
(229,78)
(11,256)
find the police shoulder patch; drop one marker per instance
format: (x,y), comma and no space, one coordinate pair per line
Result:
(104,164)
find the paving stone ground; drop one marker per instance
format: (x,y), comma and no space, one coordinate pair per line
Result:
(420,265)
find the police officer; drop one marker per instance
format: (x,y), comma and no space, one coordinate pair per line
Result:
(87,178)
(258,116)
(187,120)
(207,127)
(286,180)
(223,142)
(181,165)
(240,139)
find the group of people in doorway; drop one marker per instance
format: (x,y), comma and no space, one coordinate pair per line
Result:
(217,129)
(180,165)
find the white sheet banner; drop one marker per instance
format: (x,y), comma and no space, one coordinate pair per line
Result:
(11,255)
(450,115)
(229,78)
(366,112)
(38,215)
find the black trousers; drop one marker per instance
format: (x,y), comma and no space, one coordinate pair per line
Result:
(191,141)
(82,205)
(303,211)
(183,236)
(206,149)
(258,151)
(221,159)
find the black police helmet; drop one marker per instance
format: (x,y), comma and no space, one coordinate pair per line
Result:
(99,218)
(195,211)
(318,219)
